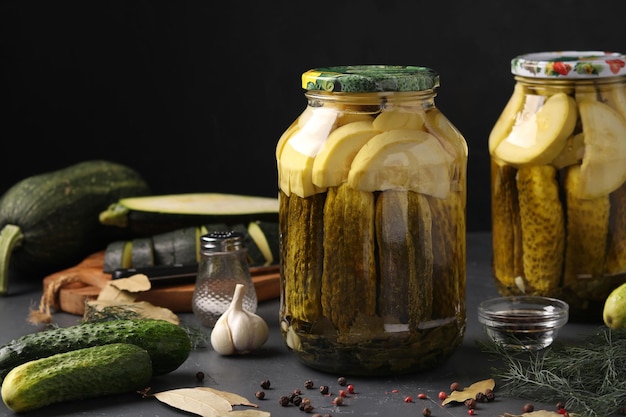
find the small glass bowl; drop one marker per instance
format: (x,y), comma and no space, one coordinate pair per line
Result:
(523,322)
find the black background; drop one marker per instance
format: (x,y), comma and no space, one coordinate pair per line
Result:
(194,95)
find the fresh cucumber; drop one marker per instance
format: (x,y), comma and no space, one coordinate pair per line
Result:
(169,345)
(84,373)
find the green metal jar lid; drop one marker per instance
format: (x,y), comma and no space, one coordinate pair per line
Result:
(370,79)
(570,64)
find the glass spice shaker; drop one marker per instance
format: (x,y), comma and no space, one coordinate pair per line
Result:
(558,180)
(223,264)
(372,223)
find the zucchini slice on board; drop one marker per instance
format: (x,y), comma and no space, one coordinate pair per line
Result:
(149,215)
(182,247)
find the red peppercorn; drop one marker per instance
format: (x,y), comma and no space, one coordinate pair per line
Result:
(442,395)
(408,399)
(562,411)
(471,411)
(422,396)
(343,393)
(350,388)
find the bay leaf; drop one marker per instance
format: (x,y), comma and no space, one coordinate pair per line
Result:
(202,402)
(231,397)
(471,391)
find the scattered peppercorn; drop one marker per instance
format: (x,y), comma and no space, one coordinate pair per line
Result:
(265,384)
(297,391)
(342,381)
(454,386)
(490,394)
(408,399)
(470,403)
(426,412)
(284,401)
(307,408)
(471,411)
(260,394)
(442,395)
(343,393)
(338,401)
(200,376)
(422,396)
(350,389)
(308,384)
(297,400)
(528,408)
(481,397)
(324,389)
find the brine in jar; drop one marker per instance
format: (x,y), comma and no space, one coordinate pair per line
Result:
(558,172)
(372,180)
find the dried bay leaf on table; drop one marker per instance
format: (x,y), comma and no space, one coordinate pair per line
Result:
(117,299)
(201,402)
(538,413)
(471,391)
(231,397)
(209,402)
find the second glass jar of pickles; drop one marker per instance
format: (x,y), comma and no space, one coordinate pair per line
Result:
(558,157)
(372,180)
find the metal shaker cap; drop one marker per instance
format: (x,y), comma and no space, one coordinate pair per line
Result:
(219,241)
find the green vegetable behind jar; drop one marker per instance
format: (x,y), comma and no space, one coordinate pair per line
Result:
(558,165)
(372,180)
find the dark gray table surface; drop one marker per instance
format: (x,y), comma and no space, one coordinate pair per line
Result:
(374,396)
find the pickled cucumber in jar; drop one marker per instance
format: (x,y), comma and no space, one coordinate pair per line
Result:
(372,180)
(558,156)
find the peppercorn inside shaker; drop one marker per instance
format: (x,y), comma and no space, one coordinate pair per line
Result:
(372,223)
(558,180)
(223,264)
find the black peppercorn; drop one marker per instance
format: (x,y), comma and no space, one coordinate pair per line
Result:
(297,400)
(324,389)
(454,386)
(200,376)
(481,397)
(265,384)
(471,403)
(426,412)
(260,395)
(307,408)
(342,381)
(284,401)
(308,383)
(528,408)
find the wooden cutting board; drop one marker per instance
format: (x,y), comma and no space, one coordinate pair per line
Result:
(85,280)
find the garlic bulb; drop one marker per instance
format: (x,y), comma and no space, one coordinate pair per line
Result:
(238,331)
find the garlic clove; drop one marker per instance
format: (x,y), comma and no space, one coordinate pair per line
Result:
(221,339)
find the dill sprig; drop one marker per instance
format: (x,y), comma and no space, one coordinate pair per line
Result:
(590,377)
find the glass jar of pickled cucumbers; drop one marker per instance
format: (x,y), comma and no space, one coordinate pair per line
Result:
(372,180)
(558,166)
